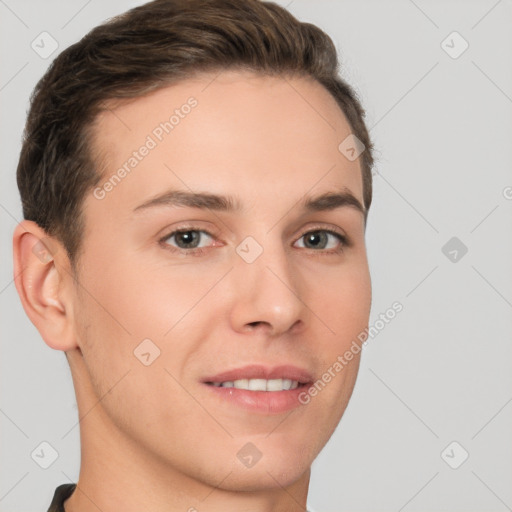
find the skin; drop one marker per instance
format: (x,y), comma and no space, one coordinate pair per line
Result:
(154,434)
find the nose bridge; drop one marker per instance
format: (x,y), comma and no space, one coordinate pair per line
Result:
(267,288)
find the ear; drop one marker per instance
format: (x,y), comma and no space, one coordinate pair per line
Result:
(44,281)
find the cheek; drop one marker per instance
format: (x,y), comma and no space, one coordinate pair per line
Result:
(127,301)
(115,331)
(344,305)
(126,314)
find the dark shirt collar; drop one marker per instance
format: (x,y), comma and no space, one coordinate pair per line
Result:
(62,493)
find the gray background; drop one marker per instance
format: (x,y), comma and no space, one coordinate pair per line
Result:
(440,371)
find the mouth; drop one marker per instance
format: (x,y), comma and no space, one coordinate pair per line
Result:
(260,389)
(271,385)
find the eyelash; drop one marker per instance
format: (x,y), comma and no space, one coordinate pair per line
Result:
(202,250)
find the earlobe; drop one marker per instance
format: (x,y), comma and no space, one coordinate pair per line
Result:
(41,281)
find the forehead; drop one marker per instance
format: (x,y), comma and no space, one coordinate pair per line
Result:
(237,133)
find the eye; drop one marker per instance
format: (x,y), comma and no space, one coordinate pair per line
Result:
(187,240)
(323,239)
(195,242)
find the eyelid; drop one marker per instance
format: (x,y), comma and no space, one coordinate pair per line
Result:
(344,241)
(329,228)
(343,238)
(184,229)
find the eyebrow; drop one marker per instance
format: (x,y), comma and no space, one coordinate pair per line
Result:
(203,200)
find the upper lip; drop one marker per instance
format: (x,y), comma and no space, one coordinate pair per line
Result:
(256,371)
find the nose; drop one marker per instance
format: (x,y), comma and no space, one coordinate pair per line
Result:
(267,295)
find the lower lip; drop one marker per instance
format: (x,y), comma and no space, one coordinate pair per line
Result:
(266,402)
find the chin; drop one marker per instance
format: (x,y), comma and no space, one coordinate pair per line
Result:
(281,464)
(272,475)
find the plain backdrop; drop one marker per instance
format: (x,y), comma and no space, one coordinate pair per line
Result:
(428,426)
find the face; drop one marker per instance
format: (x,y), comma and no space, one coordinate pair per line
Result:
(211,265)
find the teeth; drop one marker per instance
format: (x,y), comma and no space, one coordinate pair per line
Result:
(274,385)
(241,383)
(260,384)
(257,385)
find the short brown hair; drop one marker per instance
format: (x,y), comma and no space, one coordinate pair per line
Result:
(146,48)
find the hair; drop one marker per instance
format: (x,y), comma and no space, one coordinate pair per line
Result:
(149,47)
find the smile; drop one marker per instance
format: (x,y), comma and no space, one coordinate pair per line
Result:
(259,384)
(260,389)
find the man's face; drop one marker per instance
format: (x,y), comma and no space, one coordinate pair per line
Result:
(264,285)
